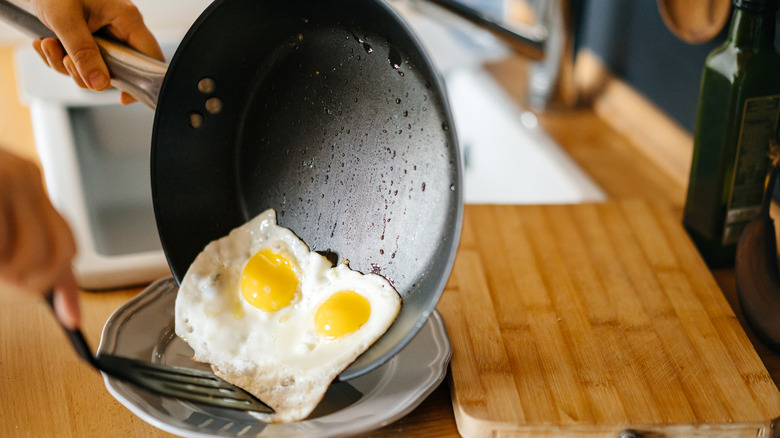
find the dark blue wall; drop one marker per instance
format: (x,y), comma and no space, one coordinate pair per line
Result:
(634,43)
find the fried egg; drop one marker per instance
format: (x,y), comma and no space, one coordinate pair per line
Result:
(277,319)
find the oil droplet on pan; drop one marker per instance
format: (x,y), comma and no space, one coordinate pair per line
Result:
(394,57)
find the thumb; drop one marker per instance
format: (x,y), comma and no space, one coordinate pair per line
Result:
(66,301)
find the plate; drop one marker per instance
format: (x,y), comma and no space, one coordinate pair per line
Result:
(143,328)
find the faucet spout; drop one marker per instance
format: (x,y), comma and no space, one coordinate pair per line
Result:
(549,42)
(528,40)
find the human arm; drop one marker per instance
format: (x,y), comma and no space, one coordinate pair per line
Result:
(36,244)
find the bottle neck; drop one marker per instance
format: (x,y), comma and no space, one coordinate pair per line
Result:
(752,30)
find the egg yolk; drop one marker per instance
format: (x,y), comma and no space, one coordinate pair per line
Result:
(343,313)
(268,281)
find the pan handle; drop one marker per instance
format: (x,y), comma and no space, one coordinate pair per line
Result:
(130,70)
(133,72)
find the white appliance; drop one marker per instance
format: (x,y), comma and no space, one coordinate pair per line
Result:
(95,158)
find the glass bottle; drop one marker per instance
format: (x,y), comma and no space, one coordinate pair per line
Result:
(739,104)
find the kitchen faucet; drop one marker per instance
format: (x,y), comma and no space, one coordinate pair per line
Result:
(548,42)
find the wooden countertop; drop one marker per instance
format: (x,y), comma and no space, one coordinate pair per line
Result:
(46,391)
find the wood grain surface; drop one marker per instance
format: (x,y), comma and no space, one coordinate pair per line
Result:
(585,320)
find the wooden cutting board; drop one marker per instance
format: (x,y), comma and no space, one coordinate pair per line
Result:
(587,320)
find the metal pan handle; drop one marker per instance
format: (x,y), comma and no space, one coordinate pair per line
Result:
(130,70)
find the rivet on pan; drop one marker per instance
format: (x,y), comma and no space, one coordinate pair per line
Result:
(206,85)
(195,120)
(214,105)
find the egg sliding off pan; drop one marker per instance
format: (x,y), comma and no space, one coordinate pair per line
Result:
(328,111)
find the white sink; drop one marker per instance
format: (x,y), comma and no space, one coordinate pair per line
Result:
(507,158)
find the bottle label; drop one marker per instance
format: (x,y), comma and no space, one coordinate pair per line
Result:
(759,125)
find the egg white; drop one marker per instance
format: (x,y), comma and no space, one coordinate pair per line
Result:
(276,356)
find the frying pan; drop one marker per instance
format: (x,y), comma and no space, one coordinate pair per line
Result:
(331,113)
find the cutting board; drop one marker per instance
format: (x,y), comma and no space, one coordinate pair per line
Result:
(590,320)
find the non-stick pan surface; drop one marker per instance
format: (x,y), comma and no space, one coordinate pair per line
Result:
(329,112)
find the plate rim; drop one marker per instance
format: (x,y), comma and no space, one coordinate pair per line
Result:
(438,365)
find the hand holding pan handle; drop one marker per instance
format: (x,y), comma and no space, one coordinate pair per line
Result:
(131,71)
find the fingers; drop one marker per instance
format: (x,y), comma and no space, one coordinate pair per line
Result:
(74,74)
(53,54)
(36,244)
(66,301)
(76,53)
(24,242)
(60,247)
(39,49)
(127,24)
(77,40)
(126,98)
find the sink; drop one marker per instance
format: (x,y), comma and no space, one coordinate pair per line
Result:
(95,153)
(507,157)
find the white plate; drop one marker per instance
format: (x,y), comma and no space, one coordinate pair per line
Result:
(143,328)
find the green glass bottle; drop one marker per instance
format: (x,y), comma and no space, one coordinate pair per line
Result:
(739,105)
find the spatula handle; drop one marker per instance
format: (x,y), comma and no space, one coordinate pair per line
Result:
(75,335)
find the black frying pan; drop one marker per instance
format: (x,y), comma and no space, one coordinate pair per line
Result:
(331,113)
